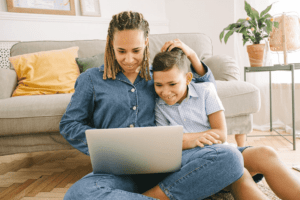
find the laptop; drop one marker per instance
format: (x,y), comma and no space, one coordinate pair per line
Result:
(139,150)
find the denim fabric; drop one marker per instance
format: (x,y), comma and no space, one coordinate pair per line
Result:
(98,103)
(205,171)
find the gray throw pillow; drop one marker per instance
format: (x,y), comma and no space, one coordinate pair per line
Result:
(90,62)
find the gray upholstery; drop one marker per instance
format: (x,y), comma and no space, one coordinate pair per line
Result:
(238,97)
(8,82)
(31,123)
(223,67)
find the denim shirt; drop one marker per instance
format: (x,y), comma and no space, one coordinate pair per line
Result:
(99,104)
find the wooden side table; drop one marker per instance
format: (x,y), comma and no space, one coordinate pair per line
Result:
(290,67)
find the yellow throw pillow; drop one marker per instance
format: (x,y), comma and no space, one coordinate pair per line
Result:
(46,72)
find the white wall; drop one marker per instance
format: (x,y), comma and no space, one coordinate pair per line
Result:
(29,27)
(205,16)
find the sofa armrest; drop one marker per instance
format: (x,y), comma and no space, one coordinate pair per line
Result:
(8,82)
(223,67)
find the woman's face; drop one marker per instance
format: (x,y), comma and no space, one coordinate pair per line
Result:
(129,46)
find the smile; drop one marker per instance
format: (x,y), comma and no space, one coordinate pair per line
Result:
(171,97)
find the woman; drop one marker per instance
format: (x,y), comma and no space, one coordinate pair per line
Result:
(121,94)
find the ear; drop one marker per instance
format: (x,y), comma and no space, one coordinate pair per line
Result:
(189,77)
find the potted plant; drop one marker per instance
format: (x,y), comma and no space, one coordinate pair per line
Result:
(254,28)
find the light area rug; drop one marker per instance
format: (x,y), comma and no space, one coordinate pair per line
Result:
(228,196)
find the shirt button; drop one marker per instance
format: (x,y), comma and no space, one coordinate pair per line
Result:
(131,125)
(132,90)
(134,108)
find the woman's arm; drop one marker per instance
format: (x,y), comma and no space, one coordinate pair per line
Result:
(216,135)
(78,115)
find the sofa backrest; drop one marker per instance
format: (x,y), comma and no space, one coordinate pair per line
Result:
(199,42)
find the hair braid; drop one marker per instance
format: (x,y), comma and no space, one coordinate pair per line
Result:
(127,20)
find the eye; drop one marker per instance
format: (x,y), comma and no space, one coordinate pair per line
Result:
(121,52)
(158,85)
(172,84)
(136,51)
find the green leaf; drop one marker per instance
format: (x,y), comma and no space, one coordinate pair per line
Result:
(264,18)
(244,42)
(248,8)
(234,25)
(259,23)
(243,31)
(253,21)
(236,30)
(269,26)
(227,36)
(241,20)
(276,24)
(266,10)
(255,13)
(222,35)
(267,16)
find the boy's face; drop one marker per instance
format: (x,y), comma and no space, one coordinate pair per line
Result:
(171,85)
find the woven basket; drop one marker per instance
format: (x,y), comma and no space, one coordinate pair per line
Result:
(256,54)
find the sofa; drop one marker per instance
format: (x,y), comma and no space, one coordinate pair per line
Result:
(31,123)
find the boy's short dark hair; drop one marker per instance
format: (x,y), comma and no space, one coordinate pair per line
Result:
(165,61)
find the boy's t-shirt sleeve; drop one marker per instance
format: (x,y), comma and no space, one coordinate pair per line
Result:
(212,100)
(160,118)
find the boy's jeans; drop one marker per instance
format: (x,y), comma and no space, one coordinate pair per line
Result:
(204,172)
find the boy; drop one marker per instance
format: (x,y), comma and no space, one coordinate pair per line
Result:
(197,107)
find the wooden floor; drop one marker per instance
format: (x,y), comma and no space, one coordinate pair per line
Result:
(48,175)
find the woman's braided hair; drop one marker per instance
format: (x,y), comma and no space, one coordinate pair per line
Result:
(127,20)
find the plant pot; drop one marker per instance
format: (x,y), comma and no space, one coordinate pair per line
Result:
(256,54)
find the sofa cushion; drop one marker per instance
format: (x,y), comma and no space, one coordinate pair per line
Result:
(32,114)
(223,67)
(46,72)
(8,82)
(90,62)
(87,48)
(238,97)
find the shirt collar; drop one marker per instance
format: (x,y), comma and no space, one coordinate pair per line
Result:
(120,76)
(191,93)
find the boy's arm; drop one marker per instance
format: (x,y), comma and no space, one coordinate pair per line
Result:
(215,112)
(216,135)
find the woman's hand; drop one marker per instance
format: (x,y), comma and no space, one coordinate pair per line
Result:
(192,140)
(168,46)
(190,53)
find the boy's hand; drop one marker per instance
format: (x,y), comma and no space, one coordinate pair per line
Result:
(208,138)
(168,46)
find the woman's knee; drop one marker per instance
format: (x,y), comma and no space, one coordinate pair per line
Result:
(230,163)
(229,160)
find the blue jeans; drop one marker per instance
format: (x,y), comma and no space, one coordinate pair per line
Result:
(204,172)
